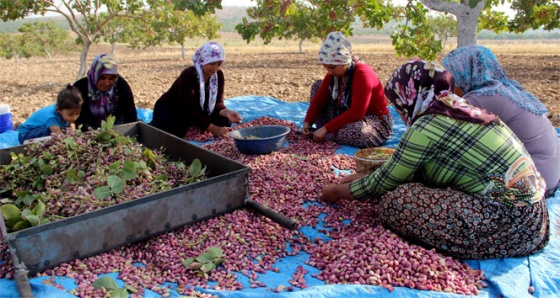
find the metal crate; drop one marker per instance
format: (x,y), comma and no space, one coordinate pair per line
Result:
(226,189)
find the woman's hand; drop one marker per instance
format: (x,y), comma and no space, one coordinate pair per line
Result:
(218,131)
(319,134)
(351,177)
(336,192)
(306,130)
(232,116)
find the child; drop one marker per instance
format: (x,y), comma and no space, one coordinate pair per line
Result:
(53,118)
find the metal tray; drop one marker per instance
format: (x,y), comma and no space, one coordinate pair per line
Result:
(226,189)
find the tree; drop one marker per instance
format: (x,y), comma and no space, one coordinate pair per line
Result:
(112,33)
(13,46)
(45,38)
(84,16)
(415,33)
(87,18)
(296,19)
(186,24)
(444,27)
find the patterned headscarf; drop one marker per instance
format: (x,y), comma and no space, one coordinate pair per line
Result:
(336,50)
(208,53)
(420,87)
(476,69)
(102,103)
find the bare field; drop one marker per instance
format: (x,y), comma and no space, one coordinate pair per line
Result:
(276,70)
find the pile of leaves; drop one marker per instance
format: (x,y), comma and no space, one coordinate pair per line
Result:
(75,173)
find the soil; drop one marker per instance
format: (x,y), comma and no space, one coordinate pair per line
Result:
(30,84)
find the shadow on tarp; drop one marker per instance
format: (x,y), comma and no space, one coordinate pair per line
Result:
(510,277)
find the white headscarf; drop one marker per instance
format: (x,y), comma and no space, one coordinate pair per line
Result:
(336,50)
(208,53)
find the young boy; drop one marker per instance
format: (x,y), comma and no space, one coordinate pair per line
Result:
(54,118)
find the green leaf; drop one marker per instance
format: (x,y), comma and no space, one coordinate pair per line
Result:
(102,192)
(40,209)
(71,174)
(33,219)
(129,170)
(195,167)
(71,143)
(10,211)
(115,165)
(215,252)
(207,267)
(187,262)
(106,282)
(21,225)
(205,257)
(28,199)
(12,222)
(119,293)
(219,261)
(45,168)
(116,184)
(149,155)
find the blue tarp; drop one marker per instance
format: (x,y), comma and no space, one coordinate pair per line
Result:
(510,277)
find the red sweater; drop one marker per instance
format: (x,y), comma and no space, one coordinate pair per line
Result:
(368,97)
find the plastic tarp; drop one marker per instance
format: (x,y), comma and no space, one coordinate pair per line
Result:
(509,277)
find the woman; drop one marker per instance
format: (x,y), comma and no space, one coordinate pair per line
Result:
(196,98)
(105,93)
(459,180)
(480,76)
(349,106)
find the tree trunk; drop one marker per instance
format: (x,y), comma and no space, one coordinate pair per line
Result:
(301,46)
(113,45)
(183,54)
(83,59)
(47,52)
(153,50)
(467,17)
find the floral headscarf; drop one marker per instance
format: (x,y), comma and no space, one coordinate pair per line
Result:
(336,50)
(476,69)
(102,103)
(420,87)
(208,53)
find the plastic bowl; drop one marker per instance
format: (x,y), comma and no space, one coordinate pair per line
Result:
(263,139)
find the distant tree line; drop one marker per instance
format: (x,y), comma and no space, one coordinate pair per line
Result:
(417,28)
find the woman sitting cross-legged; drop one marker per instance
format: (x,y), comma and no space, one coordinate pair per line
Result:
(459,181)
(348,105)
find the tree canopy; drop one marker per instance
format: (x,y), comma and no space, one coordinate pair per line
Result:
(92,20)
(417,32)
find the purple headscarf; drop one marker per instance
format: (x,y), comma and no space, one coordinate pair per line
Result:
(208,53)
(102,103)
(420,87)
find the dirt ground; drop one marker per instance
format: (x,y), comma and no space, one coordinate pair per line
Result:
(29,84)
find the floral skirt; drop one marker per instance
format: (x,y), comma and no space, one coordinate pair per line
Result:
(462,225)
(370,131)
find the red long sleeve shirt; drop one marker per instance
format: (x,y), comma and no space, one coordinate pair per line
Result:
(368,97)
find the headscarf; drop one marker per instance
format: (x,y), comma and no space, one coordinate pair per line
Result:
(102,103)
(420,87)
(208,53)
(476,69)
(336,50)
